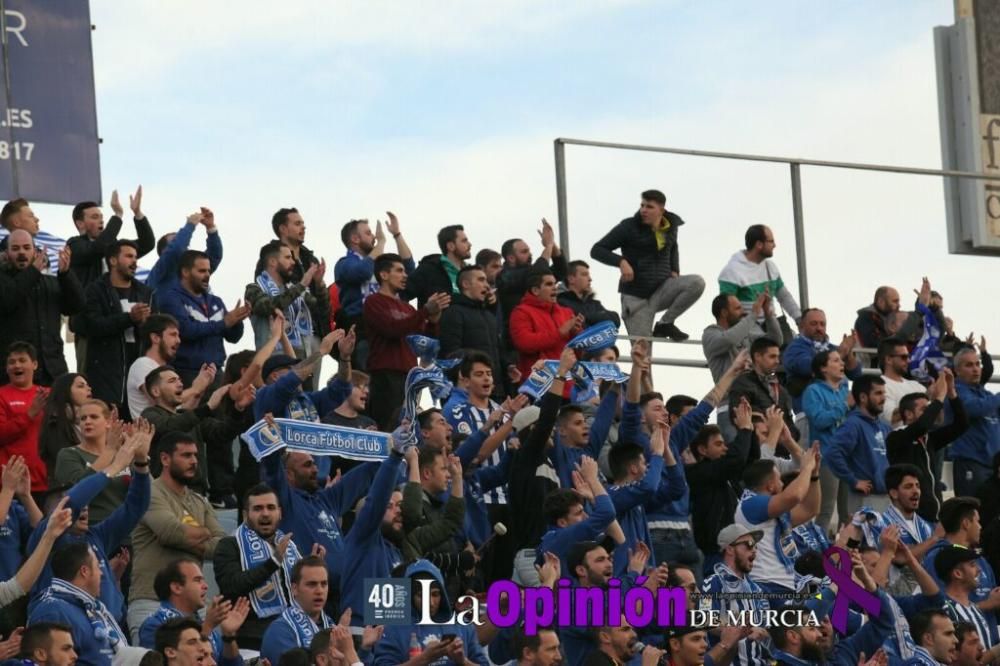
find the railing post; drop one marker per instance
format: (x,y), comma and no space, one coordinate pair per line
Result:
(560,152)
(800,235)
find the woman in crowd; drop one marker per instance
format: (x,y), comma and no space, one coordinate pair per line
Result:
(825,405)
(59,427)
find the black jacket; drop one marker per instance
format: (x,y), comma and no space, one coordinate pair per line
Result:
(234,583)
(637,241)
(31,308)
(528,488)
(104,323)
(428,279)
(593,310)
(88,254)
(469,324)
(749,385)
(916,445)
(715,489)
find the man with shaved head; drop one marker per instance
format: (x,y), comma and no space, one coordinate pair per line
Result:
(31,304)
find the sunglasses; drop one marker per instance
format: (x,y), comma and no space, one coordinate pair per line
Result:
(752,545)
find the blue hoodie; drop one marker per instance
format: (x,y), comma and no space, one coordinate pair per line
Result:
(105,537)
(628,499)
(566,458)
(558,540)
(798,357)
(982,440)
(857,451)
(90,650)
(277,399)
(313,517)
(826,408)
(367,554)
(164,272)
(203,331)
(677,507)
(14,533)
(394,647)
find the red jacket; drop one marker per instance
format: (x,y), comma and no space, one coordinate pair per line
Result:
(19,434)
(534,331)
(388,320)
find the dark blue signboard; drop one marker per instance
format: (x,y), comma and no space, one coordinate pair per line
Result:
(48,118)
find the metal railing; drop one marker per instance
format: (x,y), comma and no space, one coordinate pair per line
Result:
(703,364)
(794,163)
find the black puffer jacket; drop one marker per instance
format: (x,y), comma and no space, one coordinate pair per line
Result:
(428,279)
(593,310)
(637,241)
(469,324)
(31,308)
(106,325)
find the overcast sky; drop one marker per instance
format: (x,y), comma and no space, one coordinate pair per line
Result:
(445,112)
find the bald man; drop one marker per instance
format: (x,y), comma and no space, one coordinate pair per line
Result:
(32,304)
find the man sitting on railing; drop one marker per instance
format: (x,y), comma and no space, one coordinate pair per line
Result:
(650,269)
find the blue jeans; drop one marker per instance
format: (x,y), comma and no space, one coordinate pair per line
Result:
(969,475)
(670,545)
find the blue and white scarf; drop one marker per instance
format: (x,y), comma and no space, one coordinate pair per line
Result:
(924,530)
(298,321)
(927,358)
(370,287)
(106,629)
(900,643)
(302,625)
(167,611)
(275,594)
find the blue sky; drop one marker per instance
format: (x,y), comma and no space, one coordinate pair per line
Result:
(445,113)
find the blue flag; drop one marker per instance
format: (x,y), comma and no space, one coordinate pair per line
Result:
(927,358)
(316,438)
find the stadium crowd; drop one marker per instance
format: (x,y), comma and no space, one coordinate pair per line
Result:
(116,477)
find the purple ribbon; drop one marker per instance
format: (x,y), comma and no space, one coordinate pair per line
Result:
(847,589)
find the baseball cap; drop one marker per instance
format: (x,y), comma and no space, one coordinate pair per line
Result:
(731,533)
(277,362)
(950,557)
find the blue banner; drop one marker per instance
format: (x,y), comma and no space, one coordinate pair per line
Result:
(594,339)
(584,374)
(316,438)
(48,122)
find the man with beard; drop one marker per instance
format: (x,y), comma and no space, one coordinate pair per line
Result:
(934,633)
(93,244)
(32,304)
(372,547)
(160,336)
(201,424)
(752,272)
(512,280)
(539,649)
(275,289)
(811,340)
(438,273)
(734,329)
(857,453)
(179,523)
(171,246)
(355,274)
(205,324)
(803,645)
(881,319)
(257,562)
(117,305)
(761,386)
(618,644)
(903,484)
(388,320)
(738,546)
(182,591)
(106,538)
